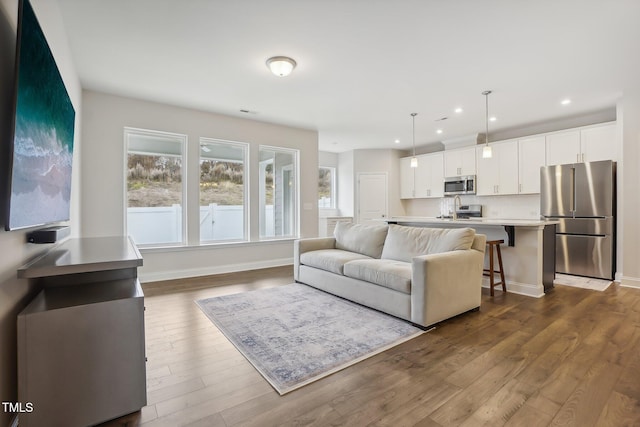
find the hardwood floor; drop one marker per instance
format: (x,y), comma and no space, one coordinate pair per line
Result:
(570,358)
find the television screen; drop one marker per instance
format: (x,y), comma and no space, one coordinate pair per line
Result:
(43,132)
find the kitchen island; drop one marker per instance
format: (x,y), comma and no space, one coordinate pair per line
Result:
(528,255)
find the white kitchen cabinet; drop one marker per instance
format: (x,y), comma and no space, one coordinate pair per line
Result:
(588,144)
(531,156)
(460,162)
(407,179)
(598,143)
(499,173)
(563,147)
(424,181)
(429,176)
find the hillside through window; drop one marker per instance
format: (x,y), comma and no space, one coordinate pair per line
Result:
(326,187)
(155,187)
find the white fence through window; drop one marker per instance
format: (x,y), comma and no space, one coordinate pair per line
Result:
(217,223)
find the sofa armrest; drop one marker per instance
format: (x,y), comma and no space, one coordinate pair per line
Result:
(445,284)
(301,246)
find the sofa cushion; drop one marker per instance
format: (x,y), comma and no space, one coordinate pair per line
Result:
(332,260)
(384,272)
(361,238)
(404,243)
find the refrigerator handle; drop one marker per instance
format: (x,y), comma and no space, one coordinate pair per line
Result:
(572,199)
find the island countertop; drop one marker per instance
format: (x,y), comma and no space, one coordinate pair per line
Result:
(470,221)
(529,264)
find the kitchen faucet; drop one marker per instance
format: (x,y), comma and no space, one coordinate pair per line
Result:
(456,200)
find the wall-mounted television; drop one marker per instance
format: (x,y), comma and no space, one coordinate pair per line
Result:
(42,150)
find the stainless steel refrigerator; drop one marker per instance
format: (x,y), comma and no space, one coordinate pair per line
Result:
(581,197)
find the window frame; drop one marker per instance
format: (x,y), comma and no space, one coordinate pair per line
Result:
(182,140)
(245,194)
(334,187)
(295,168)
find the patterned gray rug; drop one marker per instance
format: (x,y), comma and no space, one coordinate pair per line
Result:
(295,334)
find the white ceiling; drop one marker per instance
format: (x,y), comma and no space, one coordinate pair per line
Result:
(363,65)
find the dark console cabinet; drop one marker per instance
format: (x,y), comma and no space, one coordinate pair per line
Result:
(81,345)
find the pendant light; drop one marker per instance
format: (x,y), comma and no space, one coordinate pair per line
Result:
(414,159)
(486,150)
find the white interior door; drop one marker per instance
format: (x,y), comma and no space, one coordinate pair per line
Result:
(372,197)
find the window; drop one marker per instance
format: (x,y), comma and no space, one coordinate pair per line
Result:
(223,190)
(278,194)
(326,188)
(155,188)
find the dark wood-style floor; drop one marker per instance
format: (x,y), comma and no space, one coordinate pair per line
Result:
(570,358)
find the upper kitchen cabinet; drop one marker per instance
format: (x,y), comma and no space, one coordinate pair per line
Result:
(531,156)
(599,143)
(407,179)
(563,147)
(460,162)
(499,173)
(424,181)
(429,179)
(587,144)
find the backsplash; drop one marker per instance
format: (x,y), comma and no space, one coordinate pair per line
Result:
(505,207)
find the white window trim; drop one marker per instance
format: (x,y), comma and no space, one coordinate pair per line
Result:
(183,148)
(334,188)
(246,179)
(296,202)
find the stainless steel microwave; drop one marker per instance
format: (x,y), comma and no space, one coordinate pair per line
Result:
(460,185)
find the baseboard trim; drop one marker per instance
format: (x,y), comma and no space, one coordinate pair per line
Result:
(630,282)
(517,288)
(207,271)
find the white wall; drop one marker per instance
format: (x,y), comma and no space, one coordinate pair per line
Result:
(15,294)
(628,194)
(354,162)
(104,198)
(382,161)
(327,159)
(346,194)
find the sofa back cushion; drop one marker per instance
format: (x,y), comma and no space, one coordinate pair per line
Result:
(361,238)
(404,243)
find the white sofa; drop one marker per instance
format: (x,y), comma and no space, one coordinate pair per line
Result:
(423,275)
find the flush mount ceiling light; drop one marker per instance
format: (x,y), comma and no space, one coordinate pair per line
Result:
(414,159)
(281,66)
(566,101)
(458,110)
(486,150)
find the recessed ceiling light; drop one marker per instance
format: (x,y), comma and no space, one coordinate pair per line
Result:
(458,110)
(492,119)
(439,131)
(566,101)
(397,141)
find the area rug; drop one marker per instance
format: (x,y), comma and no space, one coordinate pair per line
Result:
(295,334)
(582,282)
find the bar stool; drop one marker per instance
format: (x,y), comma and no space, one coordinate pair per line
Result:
(491,271)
